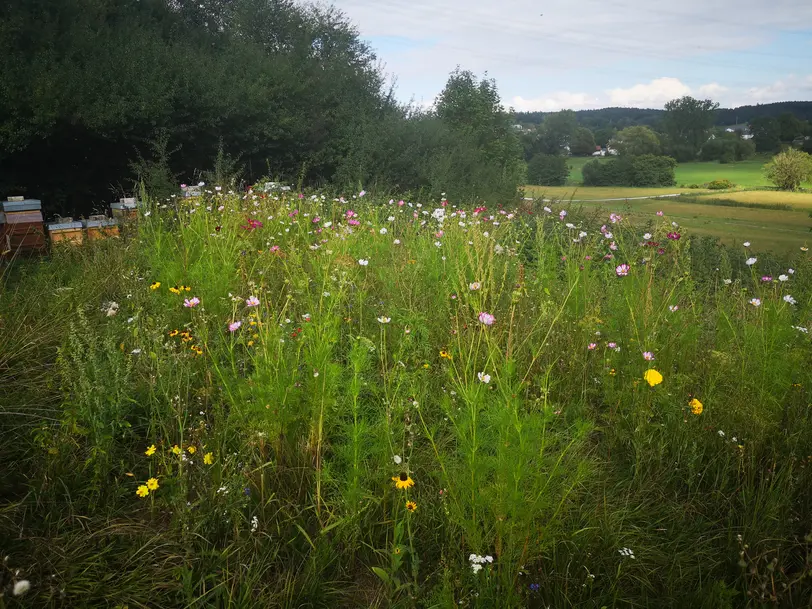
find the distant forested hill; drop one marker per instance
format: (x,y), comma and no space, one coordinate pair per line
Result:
(625,117)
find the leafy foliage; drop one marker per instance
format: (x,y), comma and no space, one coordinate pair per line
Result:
(643,170)
(636,141)
(548,170)
(788,169)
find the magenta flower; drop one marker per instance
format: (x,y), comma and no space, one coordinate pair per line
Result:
(562,214)
(659,213)
(191,303)
(622,270)
(612,345)
(234,326)
(487,318)
(674,236)
(767,278)
(252,224)
(648,356)
(252,301)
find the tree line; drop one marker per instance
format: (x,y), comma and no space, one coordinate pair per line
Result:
(98,96)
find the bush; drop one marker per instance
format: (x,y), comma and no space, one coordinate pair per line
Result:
(720,185)
(548,170)
(727,149)
(789,169)
(644,170)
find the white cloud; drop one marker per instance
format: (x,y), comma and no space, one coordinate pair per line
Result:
(712,90)
(651,95)
(555,101)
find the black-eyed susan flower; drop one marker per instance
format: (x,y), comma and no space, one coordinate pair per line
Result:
(175,290)
(152,484)
(186,288)
(208,458)
(174,333)
(403,481)
(696,406)
(176,450)
(142,491)
(411,506)
(150,451)
(197,350)
(445,355)
(155,285)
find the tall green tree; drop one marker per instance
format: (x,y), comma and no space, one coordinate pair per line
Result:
(583,142)
(688,123)
(766,134)
(635,141)
(556,132)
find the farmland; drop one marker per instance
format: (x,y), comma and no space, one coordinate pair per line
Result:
(291,401)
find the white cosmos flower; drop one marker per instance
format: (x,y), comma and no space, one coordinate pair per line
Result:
(474,286)
(384,320)
(21,587)
(363,262)
(397,459)
(746,244)
(756,302)
(751,261)
(783,277)
(647,236)
(485,378)
(383,231)
(790,299)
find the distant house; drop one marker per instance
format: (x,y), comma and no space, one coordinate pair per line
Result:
(518,127)
(605,151)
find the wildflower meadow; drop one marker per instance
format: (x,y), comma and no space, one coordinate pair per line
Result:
(282,399)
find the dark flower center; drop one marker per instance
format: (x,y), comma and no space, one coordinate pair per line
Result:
(404,476)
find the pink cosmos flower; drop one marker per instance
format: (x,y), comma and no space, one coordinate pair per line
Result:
(767,278)
(648,356)
(622,270)
(612,345)
(401,203)
(659,213)
(562,214)
(234,326)
(252,301)
(613,246)
(191,303)
(674,236)
(615,218)
(487,318)
(592,346)
(252,224)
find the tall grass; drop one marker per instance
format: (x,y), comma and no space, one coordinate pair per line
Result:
(341,350)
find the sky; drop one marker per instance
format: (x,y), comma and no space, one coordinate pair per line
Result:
(553,54)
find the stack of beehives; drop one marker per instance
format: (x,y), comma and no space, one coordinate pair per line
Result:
(21,226)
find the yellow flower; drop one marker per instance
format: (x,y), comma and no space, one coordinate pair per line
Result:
(652,377)
(150,451)
(445,355)
(176,449)
(192,450)
(155,285)
(411,506)
(152,484)
(696,406)
(426,366)
(142,491)
(250,343)
(208,458)
(197,350)
(612,372)
(403,481)
(174,290)
(174,333)
(804,248)
(186,288)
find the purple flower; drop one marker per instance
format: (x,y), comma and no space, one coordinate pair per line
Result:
(191,303)
(648,356)
(562,214)
(486,318)
(659,213)
(767,278)
(615,218)
(674,236)
(612,345)
(234,326)
(622,270)
(252,301)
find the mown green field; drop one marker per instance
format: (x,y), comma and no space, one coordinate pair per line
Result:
(746,174)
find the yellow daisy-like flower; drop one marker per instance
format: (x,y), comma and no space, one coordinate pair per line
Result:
(155,285)
(426,366)
(403,481)
(696,406)
(445,355)
(142,491)
(612,372)
(652,377)
(186,288)
(176,449)
(150,451)
(192,450)
(174,333)
(174,290)
(152,484)
(197,350)
(208,458)
(250,343)
(411,506)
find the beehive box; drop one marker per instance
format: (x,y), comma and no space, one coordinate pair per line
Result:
(100,227)
(66,232)
(18,204)
(125,209)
